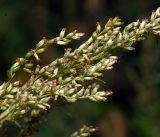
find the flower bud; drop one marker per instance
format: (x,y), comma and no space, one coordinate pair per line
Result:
(40,44)
(61,35)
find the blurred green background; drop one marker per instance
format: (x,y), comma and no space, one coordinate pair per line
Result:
(133,110)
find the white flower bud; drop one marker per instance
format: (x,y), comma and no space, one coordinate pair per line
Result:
(41,106)
(70,35)
(142,25)
(40,44)
(44,100)
(153,16)
(157,12)
(62,42)
(22,112)
(99,98)
(36,56)
(70,99)
(61,35)
(92,98)
(31,102)
(70,91)
(109,67)
(55,71)
(100,37)
(80,93)
(88,78)
(46,104)
(85,134)
(93,69)
(98,29)
(102,94)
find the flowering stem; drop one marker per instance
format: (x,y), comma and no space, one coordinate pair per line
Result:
(66,79)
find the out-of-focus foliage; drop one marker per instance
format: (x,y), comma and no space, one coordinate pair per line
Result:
(134,107)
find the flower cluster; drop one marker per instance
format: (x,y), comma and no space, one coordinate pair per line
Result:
(68,79)
(85,131)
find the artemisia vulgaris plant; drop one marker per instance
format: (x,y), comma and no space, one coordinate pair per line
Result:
(67,79)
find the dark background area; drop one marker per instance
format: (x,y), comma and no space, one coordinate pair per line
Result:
(133,110)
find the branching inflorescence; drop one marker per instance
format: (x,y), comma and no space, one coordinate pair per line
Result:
(67,79)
